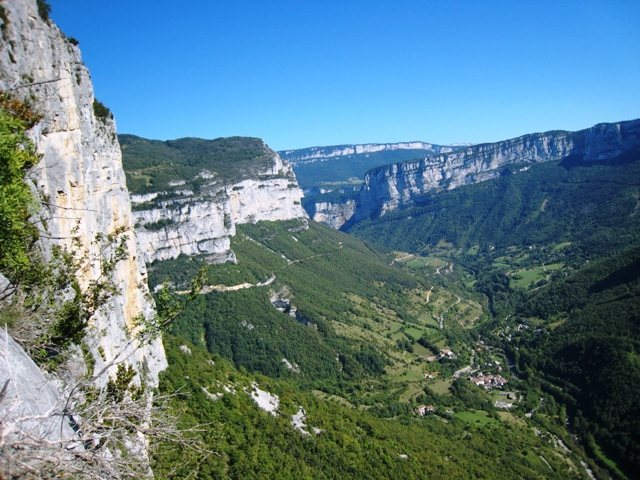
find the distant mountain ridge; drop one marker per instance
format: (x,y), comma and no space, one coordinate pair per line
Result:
(313,154)
(392,186)
(389,187)
(321,167)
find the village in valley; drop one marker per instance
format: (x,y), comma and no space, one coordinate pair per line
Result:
(484,371)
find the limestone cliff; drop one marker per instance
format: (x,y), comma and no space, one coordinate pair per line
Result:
(181,220)
(392,186)
(330,175)
(334,167)
(334,214)
(321,154)
(85,205)
(28,399)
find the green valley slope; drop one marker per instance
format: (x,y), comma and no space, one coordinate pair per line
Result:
(555,252)
(349,443)
(362,346)
(376,347)
(352,309)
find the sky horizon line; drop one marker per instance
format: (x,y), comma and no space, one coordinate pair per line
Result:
(330,73)
(385,142)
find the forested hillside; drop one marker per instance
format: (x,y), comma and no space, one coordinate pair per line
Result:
(555,252)
(326,281)
(591,361)
(324,323)
(153,165)
(243,441)
(595,206)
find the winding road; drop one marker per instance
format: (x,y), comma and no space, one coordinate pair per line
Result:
(230,288)
(441,317)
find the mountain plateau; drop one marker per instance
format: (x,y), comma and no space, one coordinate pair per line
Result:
(390,187)
(198,213)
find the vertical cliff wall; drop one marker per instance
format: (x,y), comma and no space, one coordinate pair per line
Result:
(181,221)
(392,186)
(80,180)
(334,214)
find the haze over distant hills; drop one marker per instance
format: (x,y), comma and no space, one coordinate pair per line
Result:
(322,166)
(388,187)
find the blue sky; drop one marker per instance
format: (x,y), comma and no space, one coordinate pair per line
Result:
(302,72)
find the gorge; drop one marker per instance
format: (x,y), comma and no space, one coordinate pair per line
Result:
(179,309)
(390,187)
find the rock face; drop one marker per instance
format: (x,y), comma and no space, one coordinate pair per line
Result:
(392,186)
(85,202)
(315,154)
(202,223)
(334,214)
(330,175)
(29,398)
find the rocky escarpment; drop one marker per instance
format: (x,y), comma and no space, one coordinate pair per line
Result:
(389,187)
(331,174)
(183,220)
(320,154)
(334,214)
(84,203)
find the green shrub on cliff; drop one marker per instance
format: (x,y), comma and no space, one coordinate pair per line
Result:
(17,155)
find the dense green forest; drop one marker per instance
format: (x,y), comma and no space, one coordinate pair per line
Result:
(591,360)
(346,442)
(154,165)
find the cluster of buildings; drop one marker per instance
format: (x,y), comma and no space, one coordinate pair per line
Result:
(423,410)
(446,354)
(489,381)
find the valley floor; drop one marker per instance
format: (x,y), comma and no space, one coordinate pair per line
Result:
(382,353)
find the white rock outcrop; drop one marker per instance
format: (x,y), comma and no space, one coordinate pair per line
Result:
(203,223)
(389,187)
(86,207)
(299,421)
(31,402)
(334,214)
(268,402)
(192,226)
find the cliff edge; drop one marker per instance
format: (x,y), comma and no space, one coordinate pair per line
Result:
(191,193)
(83,215)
